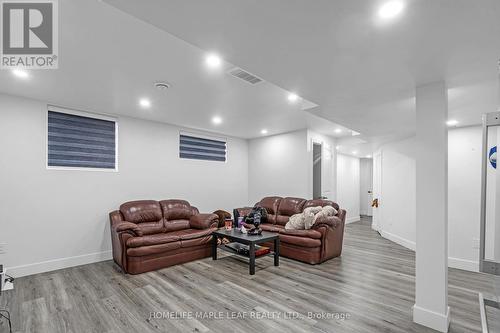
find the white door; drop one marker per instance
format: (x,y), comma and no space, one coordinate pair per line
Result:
(377,190)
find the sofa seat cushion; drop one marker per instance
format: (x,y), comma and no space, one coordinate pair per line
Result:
(192,233)
(206,240)
(272,227)
(299,240)
(153,249)
(174,225)
(302,233)
(149,228)
(152,239)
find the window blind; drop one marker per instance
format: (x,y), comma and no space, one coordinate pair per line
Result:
(202,148)
(81,142)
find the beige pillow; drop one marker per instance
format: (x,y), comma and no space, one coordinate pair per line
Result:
(296,222)
(309,214)
(325,211)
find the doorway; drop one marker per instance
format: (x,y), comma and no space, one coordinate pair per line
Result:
(317,160)
(366,186)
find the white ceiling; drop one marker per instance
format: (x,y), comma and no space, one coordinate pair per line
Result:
(360,72)
(109,60)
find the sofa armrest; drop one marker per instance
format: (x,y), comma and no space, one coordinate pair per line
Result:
(223,215)
(120,232)
(203,221)
(329,221)
(332,230)
(194,210)
(118,224)
(128,227)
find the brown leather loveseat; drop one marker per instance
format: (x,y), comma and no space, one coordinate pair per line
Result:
(148,235)
(316,245)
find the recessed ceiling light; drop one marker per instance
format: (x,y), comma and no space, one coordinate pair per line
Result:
(293,97)
(337,147)
(338,130)
(368,156)
(354,152)
(20,73)
(217,120)
(145,103)
(452,122)
(263,131)
(391,9)
(213,60)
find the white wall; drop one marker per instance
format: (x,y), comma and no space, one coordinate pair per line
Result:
(366,185)
(398,197)
(52,219)
(464,195)
(348,186)
(397,202)
(279,165)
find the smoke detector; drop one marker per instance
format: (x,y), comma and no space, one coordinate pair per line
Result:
(161,85)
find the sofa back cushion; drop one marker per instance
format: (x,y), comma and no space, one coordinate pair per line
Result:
(322,203)
(146,214)
(271,205)
(141,211)
(177,213)
(288,207)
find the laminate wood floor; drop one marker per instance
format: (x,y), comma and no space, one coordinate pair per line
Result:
(372,285)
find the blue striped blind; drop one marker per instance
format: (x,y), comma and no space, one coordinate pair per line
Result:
(81,142)
(199,148)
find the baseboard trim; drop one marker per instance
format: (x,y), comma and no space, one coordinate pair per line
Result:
(398,240)
(353,219)
(468,265)
(431,319)
(52,265)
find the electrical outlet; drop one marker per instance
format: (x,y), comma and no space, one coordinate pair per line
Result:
(475,243)
(3,248)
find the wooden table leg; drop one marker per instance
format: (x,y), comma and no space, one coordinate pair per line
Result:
(214,247)
(252,259)
(277,252)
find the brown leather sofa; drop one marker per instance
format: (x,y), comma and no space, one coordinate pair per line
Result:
(316,245)
(148,235)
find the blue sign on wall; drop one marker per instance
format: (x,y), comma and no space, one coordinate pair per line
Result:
(493,157)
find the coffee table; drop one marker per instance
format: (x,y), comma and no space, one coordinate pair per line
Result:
(235,235)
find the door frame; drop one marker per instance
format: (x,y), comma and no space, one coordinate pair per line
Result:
(486,266)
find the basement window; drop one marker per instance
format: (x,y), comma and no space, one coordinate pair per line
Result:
(78,140)
(201,147)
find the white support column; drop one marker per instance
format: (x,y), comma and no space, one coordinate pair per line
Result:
(431,299)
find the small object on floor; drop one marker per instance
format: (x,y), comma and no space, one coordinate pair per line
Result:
(222,241)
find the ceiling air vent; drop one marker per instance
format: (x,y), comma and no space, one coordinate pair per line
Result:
(244,75)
